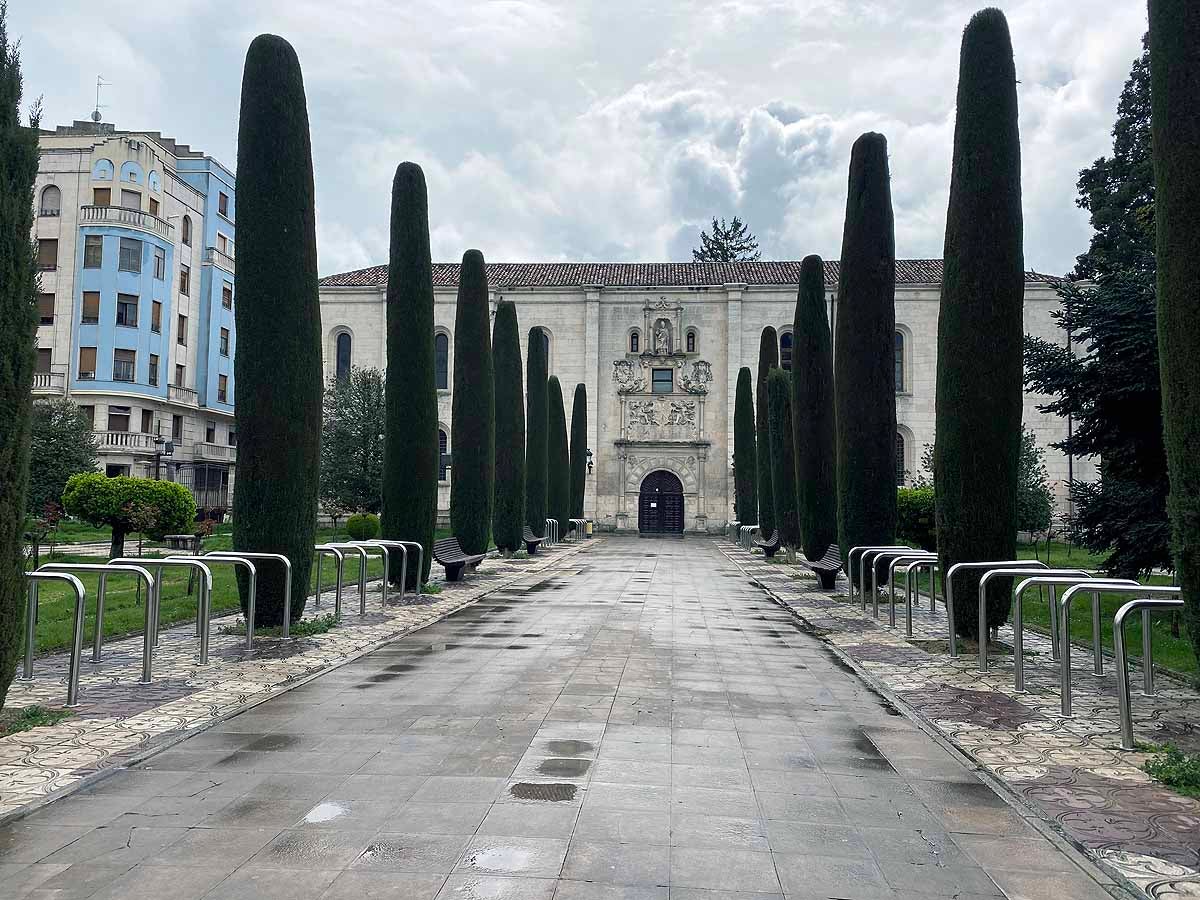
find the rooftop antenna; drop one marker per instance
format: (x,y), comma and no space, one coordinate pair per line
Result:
(100,82)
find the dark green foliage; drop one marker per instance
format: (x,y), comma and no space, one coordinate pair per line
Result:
(1175,79)
(558,459)
(865,378)
(155,508)
(352,444)
(745,454)
(508,515)
(362,527)
(61,444)
(578,450)
(768,359)
(783,457)
(730,242)
(536,423)
(979,371)
(410,456)
(1035,499)
(915,517)
(815,431)
(473,414)
(277,369)
(18,325)
(1176,769)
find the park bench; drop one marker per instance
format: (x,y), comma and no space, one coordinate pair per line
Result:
(449,554)
(770,545)
(826,568)
(531,541)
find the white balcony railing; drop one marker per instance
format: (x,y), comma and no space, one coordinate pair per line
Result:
(183,395)
(220,452)
(124,442)
(50,382)
(133,218)
(214,257)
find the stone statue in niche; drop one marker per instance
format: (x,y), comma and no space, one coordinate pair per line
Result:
(662,338)
(697,382)
(683,413)
(627,378)
(641,412)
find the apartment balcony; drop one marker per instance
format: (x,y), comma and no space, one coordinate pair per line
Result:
(214,452)
(183,395)
(52,383)
(214,257)
(131,218)
(124,442)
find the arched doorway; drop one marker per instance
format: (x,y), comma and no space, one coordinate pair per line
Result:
(660,504)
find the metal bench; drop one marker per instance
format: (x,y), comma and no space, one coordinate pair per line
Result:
(449,554)
(770,545)
(531,540)
(825,568)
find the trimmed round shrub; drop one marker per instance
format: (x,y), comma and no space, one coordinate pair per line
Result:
(363,526)
(915,520)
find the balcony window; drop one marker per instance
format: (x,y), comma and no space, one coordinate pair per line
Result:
(118,418)
(232,439)
(223,204)
(91,308)
(222,388)
(45,309)
(47,255)
(130,259)
(43,361)
(185,231)
(87,363)
(116,470)
(51,201)
(662,381)
(160,264)
(147,421)
(93,251)
(210,432)
(153,375)
(177,428)
(185,279)
(88,414)
(181,331)
(180,375)
(224,341)
(124,365)
(156,317)
(227,295)
(153,207)
(127,310)
(101,196)
(222,244)
(131,200)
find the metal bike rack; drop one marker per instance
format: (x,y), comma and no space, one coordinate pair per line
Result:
(552,530)
(1064,630)
(76,633)
(1009,572)
(387,547)
(876,557)
(744,534)
(204,604)
(363,559)
(917,556)
(147,610)
(873,552)
(731,529)
(1054,582)
(913,588)
(340,559)
(948,586)
(1145,604)
(850,569)
(251,590)
(287,579)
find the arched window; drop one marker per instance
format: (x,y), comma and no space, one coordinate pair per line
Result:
(691,341)
(635,341)
(443,445)
(901,469)
(785,350)
(441,361)
(900,386)
(51,201)
(185,231)
(344,345)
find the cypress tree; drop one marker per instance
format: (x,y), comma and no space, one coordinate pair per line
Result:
(768,359)
(745,454)
(783,457)
(865,380)
(1175,120)
(578,450)
(980,332)
(278,386)
(410,452)
(536,423)
(812,414)
(18,325)
(508,516)
(558,458)
(473,411)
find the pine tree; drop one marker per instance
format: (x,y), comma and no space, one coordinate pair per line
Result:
(536,423)
(578,450)
(473,414)
(558,458)
(730,242)
(745,454)
(508,516)
(783,457)
(768,359)
(864,379)
(979,362)
(812,415)
(278,384)
(1175,80)
(18,326)
(410,455)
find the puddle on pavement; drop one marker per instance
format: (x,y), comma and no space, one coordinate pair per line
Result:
(382,677)
(564,768)
(505,859)
(325,812)
(570,748)
(552,793)
(400,667)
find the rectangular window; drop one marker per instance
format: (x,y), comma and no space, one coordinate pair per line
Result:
(222,243)
(662,381)
(93,251)
(180,373)
(227,295)
(156,317)
(87,363)
(124,365)
(130,259)
(222,388)
(47,257)
(116,470)
(224,341)
(127,310)
(177,428)
(223,204)
(43,361)
(153,207)
(181,331)
(210,432)
(88,413)
(91,308)
(101,196)
(118,418)
(232,441)
(147,421)
(185,279)
(160,263)
(131,200)
(45,309)
(153,376)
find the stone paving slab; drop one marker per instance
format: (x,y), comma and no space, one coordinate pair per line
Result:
(118,719)
(1071,770)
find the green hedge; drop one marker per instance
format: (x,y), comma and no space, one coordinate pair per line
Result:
(915,521)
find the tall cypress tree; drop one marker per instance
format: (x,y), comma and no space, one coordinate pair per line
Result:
(508,516)
(410,453)
(745,453)
(865,379)
(783,457)
(473,412)
(578,450)
(18,325)
(558,458)
(278,389)
(536,423)
(768,359)
(980,332)
(812,414)
(1175,88)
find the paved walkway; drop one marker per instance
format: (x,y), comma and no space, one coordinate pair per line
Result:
(640,722)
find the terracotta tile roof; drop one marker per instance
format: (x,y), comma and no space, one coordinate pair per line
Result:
(649,275)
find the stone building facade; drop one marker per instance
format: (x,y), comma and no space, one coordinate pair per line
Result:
(658,347)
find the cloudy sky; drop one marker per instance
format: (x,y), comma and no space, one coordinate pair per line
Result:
(605,129)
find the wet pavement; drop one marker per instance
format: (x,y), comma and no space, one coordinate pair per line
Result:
(639,722)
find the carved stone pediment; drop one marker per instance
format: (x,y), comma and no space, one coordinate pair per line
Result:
(701,376)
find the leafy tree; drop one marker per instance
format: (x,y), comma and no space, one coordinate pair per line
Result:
(61,444)
(730,242)
(508,517)
(1035,499)
(18,325)
(1175,77)
(578,450)
(473,415)
(745,454)
(410,453)
(979,370)
(768,359)
(783,457)
(536,425)
(352,443)
(129,505)
(278,315)
(558,459)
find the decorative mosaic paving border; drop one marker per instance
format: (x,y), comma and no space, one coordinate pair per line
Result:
(1071,771)
(119,721)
